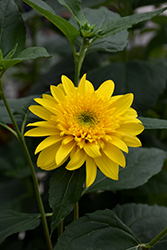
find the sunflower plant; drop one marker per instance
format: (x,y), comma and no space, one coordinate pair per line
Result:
(74,153)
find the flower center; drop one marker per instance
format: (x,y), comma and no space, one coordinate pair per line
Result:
(86,118)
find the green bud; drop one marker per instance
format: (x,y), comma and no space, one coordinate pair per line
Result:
(87,30)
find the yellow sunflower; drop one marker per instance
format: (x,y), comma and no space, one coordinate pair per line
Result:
(85,125)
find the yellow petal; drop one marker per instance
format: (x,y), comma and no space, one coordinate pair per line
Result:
(106,89)
(132,141)
(91,171)
(67,139)
(64,152)
(67,85)
(77,160)
(49,167)
(131,128)
(114,154)
(49,105)
(89,87)
(48,142)
(48,97)
(82,85)
(92,149)
(47,156)
(123,104)
(45,102)
(115,98)
(131,112)
(42,124)
(119,143)
(40,112)
(41,131)
(107,166)
(57,93)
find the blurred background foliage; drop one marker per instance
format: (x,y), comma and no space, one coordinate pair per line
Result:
(137,65)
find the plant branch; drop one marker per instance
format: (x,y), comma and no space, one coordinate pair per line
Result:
(25,149)
(8,128)
(79,58)
(156,239)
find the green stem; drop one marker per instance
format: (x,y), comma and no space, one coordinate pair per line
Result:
(156,239)
(78,59)
(8,128)
(25,149)
(60,228)
(76,211)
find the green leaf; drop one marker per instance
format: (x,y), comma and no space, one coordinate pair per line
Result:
(12,28)
(75,8)
(152,123)
(137,77)
(142,164)
(27,54)
(155,186)
(68,29)
(100,16)
(11,53)
(69,186)
(13,222)
(146,221)
(99,230)
(115,26)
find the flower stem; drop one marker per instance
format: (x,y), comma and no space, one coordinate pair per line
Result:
(25,149)
(79,58)
(76,211)
(156,239)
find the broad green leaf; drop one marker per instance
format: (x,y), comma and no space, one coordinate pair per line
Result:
(137,77)
(152,123)
(13,222)
(156,186)
(115,26)
(27,54)
(146,221)
(75,8)
(68,29)
(12,28)
(142,164)
(99,17)
(99,230)
(65,190)
(11,53)
(19,108)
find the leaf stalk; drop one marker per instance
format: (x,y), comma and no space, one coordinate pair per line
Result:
(156,239)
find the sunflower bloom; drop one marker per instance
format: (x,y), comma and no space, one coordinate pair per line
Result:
(85,125)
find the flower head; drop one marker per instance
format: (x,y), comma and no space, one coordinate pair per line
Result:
(85,125)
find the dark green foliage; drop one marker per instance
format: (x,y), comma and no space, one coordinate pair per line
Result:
(14,222)
(112,31)
(65,190)
(99,230)
(146,221)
